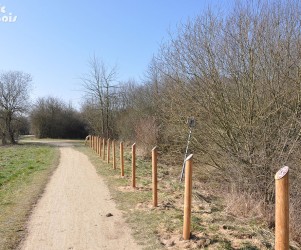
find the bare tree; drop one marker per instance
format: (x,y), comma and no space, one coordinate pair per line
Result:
(240,77)
(99,85)
(14,100)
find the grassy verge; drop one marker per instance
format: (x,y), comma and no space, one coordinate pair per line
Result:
(24,172)
(161,227)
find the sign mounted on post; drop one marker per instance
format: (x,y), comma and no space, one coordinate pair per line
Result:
(191,122)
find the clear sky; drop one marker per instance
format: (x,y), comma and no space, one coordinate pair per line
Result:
(53,40)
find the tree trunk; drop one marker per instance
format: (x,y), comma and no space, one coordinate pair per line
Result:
(4,142)
(9,129)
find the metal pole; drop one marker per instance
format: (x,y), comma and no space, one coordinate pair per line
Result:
(186,152)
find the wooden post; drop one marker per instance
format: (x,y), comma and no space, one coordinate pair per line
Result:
(134,165)
(114,154)
(121,159)
(154,176)
(99,146)
(108,151)
(90,141)
(104,148)
(282,209)
(187,198)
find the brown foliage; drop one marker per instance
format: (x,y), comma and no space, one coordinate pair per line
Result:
(146,131)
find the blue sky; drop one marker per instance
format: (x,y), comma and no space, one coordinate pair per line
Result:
(53,40)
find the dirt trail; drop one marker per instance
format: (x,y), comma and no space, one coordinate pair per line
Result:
(72,212)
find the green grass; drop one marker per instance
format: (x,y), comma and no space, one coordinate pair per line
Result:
(24,171)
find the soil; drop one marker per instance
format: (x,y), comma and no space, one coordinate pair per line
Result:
(73,211)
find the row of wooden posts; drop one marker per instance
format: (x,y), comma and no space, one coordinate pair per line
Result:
(281,181)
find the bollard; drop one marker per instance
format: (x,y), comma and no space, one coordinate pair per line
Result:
(114,152)
(121,159)
(108,151)
(187,198)
(282,209)
(134,165)
(104,149)
(155,176)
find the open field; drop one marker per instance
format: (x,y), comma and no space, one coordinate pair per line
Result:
(24,172)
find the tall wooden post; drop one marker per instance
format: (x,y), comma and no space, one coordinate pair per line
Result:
(108,151)
(134,165)
(114,154)
(99,146)
(187,198)
(282,209)
(154,176)
(104,148)
(121,159)
(90,141)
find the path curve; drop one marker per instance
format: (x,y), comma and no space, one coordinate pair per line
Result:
(72,212)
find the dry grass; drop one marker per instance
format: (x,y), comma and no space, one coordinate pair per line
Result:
(244,205)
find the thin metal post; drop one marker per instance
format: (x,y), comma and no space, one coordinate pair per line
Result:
(186,152)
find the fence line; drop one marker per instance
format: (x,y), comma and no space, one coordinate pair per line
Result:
(281,188)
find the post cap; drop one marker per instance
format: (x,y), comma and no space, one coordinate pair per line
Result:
(189,157)
(281,173)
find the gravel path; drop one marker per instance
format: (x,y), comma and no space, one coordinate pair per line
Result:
(72,212)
